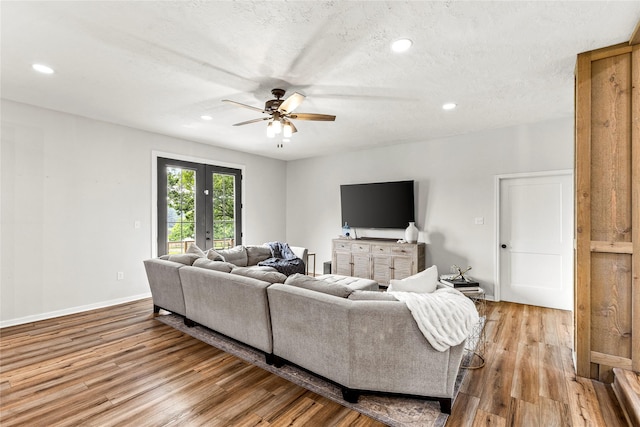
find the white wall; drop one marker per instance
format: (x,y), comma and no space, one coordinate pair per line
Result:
(455,184)
(71,190)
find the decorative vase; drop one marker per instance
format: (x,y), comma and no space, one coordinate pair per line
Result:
(346,230)
(411,233)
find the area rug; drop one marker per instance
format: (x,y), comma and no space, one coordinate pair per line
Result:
(391,410)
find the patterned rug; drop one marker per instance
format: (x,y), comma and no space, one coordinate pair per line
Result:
(391,410)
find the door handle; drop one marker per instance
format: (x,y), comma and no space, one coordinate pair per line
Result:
(503,246)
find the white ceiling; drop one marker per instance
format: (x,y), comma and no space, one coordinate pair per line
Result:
(160,65)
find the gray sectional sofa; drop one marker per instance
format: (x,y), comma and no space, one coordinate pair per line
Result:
(341,328)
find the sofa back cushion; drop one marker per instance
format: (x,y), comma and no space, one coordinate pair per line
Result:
(255,254)
(222,266)
(266,274)
(311,283)
(186,259)
(236,255)
(359,295)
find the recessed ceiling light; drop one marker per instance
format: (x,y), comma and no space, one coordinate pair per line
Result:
(42,68)
(401,45)
(206,117)
(449,106)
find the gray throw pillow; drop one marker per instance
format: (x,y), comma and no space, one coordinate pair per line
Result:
(236,256)
(359,295)
(255,254)
(214,256)
(311,283)
(194,249)
(186,259)
(222,266)
(266,274)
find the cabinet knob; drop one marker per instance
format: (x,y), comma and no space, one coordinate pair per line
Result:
(503,246)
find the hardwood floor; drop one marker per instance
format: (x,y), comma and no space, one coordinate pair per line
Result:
(119,366)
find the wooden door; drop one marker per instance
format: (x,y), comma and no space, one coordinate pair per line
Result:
(607,314)
(342,263)
(381,268)
(402,267)
(361,265)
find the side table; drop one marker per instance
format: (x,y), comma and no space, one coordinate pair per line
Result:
(313,271)
(476,342)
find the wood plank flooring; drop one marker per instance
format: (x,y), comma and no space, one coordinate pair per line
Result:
(119,366)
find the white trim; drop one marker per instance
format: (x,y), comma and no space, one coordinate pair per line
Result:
(497,180)
(154,188)
(72,310)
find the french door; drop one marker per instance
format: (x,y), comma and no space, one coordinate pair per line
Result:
(197,203)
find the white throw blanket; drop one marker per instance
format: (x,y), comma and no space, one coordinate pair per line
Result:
(445,317)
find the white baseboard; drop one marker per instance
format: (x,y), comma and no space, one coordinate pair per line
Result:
(71,310)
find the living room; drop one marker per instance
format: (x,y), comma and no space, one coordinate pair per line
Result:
(79,191)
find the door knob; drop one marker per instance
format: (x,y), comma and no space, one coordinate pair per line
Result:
(503,246)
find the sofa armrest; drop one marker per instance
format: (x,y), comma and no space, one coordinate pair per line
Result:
(300,252)
(164,281)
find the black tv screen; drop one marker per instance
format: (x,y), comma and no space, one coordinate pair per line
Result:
(378,205)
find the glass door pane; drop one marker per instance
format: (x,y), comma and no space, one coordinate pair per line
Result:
(181,209)
(224,211)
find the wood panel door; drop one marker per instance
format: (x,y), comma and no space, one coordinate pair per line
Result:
(607,316)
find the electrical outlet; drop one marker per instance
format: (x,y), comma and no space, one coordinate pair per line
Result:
(136,224)
(479,220)
(120,275)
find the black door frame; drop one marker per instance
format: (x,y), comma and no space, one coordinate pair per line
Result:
(203,196)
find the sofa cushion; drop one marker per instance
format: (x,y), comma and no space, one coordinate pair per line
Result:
(359,295)
(214,256)
(194,249)
(311,283)
(266,274)
(186,259)
(255,254)
(225,267)
(422,283)
(352,282)
(236,255)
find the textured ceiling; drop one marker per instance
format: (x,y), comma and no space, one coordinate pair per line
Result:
(159,66)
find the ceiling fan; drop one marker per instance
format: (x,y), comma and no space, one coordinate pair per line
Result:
(281,113)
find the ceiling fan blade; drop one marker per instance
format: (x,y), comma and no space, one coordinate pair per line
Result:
(291,103)
(243,105)
(252,121)
(312,116)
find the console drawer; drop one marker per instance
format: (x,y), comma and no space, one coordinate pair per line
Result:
(361,247)
(380,249)
(403,250)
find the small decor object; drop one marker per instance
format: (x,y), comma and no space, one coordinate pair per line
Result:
(459,274)
(411,233)
(346,230)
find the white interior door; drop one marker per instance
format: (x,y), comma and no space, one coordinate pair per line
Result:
(535,237)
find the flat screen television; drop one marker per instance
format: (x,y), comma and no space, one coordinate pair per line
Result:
(378,205)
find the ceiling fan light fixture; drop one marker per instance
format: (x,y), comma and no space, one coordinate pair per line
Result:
(277,126)
(270,132)
(401,45)
(287,130)
(449,106)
